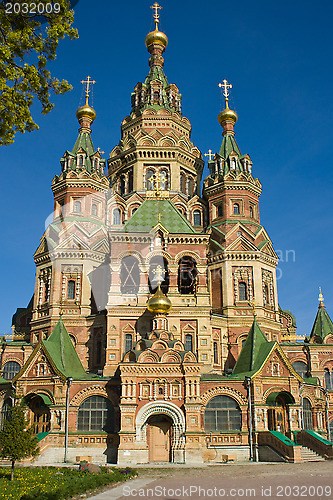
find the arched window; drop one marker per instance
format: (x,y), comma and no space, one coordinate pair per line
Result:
(188,342)
(150,180)
(10,369)
(128,342)
(71,290)
(130,181)
(158,271)
(182,183)
(216,355)
(190,185)
(116,217)
(242,290)
(222,414)
(163,180)
(80,161)
(122,185)
(220,211)
(328,380)
(77,206)
(307,415)
(96,414)
(160,391)
(129,275)
(187,275)
(94,209)
(236,209)
(197,218)
(251,212)
(301,368)
(156,96)
(134,210)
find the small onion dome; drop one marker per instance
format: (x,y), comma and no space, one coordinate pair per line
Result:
(159,303)
(227,114)
(156,37)
(86,112)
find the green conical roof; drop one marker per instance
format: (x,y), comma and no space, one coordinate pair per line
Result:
(323,324)
(62,352)
(254,353)
(147,216)
(229,145)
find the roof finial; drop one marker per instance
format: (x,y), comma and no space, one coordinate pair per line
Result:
(88,82)
(210,154)
(321,298)
(253,305)
(156,7)
(225,85)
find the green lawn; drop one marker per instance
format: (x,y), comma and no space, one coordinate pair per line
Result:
(53,483)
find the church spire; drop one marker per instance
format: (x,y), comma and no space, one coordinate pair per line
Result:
(86,114)
(156,41)
(227,118)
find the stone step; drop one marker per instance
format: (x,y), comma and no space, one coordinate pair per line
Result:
(308,455)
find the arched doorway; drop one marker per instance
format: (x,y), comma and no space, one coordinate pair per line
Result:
(159,438)
(278,413)
(164,419)
(40,413)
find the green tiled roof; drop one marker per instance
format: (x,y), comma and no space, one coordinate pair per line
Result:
(4,381)
(255,351)
(229,145)
(146,217)
(323,325)
(62,352)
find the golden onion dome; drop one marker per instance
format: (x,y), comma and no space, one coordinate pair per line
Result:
(159,303)
(86,111)
(227,114)
(156,36)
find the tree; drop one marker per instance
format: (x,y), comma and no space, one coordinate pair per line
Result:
(17,440)
(27,42)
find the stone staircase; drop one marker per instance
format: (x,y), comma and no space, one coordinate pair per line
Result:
(308,455)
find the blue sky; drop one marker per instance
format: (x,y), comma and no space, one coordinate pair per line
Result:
(278,57)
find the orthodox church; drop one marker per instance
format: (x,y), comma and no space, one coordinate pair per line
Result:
(155,333)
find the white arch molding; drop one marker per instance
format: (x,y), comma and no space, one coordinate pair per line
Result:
(165,408)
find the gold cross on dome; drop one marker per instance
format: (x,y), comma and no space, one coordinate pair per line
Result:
(253,304)
(321,297)
(210,154)
(156,7)
(225,85)
(88,82)
(99,150)
(159,217)
(159,273)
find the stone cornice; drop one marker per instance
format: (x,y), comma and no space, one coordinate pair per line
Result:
(243,257)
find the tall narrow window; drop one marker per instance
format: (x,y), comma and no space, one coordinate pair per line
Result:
(77,206)
(128,342)
(71,290)
(182,183)
(80,161)
(98,352)
(156,96)
(216,355)
(187,275)
(94,209)
(328,380)
(251,212)
(242,290)
(130,181)
(163,180)
(122,185)
(220,211)
(190,186)
(129,275)
(116,217)
(197,218)
(188,342)
(150,180)
(236,209)
(265,293)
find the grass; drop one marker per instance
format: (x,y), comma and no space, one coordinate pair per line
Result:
(54,483)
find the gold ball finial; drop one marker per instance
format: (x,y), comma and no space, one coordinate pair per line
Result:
(227,114)
(321,298)
(156,36)
(159,303)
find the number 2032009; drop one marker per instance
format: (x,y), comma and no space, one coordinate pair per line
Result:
(32,8)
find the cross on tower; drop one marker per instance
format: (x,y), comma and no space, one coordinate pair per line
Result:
(159,272)
(99,150)
(159,217)
(253,304)
(156,7)
(88,82)
(210,154)
(321,297)
(225,85)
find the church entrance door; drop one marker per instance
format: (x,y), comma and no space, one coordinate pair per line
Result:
(278,416)
(40,417)
(159,432)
